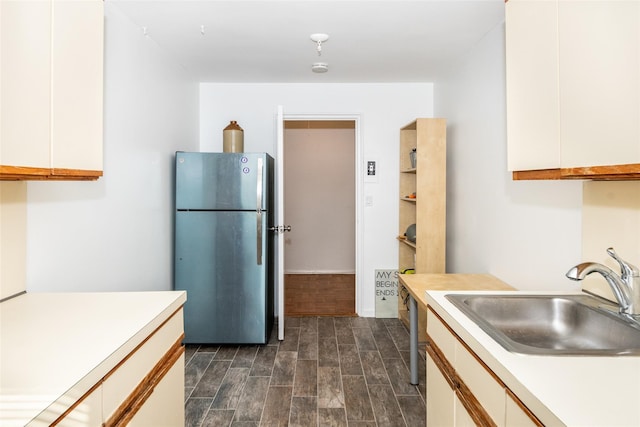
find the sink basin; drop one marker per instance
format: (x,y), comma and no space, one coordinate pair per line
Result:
(552,324)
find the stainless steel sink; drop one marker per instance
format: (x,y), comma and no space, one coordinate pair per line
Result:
(552,324)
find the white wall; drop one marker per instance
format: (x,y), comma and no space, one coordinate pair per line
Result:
(320,188)
(382,108)
(528,233)
(610,218)
(115,234)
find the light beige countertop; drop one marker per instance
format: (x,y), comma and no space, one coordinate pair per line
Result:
(417,284)
(55,346)
(559,390)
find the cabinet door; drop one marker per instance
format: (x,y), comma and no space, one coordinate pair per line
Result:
(165,406)
(25,92)
(480,381)
(599,50)
(441,399)
(462,417)
(77,84)
(533,127)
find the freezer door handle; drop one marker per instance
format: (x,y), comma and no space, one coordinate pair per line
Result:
(259,211)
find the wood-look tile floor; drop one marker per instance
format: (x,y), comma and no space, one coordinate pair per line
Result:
(329,371)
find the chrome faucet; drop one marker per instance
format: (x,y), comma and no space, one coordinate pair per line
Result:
(625,287)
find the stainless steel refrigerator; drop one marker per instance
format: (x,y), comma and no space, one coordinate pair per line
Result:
(223,246)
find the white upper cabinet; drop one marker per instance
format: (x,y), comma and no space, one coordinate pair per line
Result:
(533,127)
(51,92)
(573,86)
(25,83)
(77,84)
(599,82)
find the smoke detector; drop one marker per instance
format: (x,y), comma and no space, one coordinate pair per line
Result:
(320,67)
(319,38)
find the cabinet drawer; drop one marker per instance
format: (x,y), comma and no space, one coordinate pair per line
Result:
(122,382)
(441,335)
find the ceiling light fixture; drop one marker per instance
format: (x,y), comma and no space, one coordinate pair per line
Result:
(320,67)
(319,38)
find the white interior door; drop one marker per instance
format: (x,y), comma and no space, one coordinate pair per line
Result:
(280,229)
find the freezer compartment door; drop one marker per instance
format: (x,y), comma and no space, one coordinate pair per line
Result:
(223,181)
(229,292)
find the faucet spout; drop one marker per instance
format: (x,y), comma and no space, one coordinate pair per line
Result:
(617,285)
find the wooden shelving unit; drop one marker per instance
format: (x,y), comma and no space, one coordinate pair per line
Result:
(428,209)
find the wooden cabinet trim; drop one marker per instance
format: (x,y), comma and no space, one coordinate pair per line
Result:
(22,173)
(604,173)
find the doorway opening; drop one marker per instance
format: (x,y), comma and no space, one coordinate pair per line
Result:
(320,206)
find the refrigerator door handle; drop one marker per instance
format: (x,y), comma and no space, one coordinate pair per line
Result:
(259,211)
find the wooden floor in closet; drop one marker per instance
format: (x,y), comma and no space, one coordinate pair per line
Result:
(320,295)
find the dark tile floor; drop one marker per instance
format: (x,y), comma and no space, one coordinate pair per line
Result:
(329,371)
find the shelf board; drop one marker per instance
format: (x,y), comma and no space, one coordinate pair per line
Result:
(406,242)
(410,170)
(408,199)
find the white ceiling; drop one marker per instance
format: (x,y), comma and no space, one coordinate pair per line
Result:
(268,40)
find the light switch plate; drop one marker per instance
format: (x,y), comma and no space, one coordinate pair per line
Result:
(371,170)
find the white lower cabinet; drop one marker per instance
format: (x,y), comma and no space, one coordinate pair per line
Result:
(139,367)
(441,398)
(461,390)
(145,389)
(462,416)
(165,406)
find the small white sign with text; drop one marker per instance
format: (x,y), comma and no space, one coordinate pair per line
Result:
(387,293)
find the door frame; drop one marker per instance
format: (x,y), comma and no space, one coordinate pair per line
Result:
(359,169)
